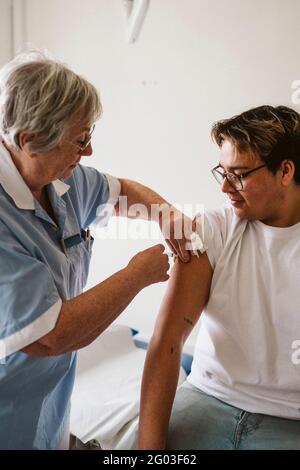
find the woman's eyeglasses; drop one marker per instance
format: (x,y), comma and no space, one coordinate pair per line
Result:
(85,143)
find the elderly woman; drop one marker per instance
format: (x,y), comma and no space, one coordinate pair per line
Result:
(47,202)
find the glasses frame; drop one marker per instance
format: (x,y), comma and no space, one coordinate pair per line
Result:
(82,147)
(225,174)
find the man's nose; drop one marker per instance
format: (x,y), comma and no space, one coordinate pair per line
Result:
(226,187)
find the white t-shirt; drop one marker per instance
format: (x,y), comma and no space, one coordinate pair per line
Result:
(245,348)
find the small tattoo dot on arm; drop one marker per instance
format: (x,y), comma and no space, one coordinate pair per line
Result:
(187,320)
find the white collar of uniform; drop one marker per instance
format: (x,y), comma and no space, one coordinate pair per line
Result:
(15,186)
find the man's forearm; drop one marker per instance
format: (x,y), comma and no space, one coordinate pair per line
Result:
(159,385)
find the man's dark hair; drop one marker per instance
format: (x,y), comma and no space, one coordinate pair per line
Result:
(272,133)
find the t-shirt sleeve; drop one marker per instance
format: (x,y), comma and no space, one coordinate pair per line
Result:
(213,229)
(95,195)
(30,303)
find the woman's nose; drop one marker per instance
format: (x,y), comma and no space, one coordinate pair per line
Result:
(88,151)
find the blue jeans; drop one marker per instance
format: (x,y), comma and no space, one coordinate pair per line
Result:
(200,421)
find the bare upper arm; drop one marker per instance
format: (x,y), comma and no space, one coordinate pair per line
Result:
(186,296)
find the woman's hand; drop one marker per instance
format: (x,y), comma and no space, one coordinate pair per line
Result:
(152,265)
(177,229)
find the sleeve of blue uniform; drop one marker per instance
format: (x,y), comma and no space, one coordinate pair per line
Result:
(95,195)
(30,303)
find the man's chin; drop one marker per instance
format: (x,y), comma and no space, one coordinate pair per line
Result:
(243,215)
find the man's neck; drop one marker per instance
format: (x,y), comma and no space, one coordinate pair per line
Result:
(289,214)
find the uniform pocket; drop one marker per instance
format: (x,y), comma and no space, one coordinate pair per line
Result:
(79,257)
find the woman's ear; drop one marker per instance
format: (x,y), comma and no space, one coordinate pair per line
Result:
(24,142)
(288,170)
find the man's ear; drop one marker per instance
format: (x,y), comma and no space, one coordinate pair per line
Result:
(24,142)
(288,170)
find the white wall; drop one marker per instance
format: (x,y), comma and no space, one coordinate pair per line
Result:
(5,31)
(196,61)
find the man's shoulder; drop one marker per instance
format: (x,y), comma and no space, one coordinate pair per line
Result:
(220,228)
(223,219)
(224,212)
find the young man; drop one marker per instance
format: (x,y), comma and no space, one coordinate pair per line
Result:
(244,388)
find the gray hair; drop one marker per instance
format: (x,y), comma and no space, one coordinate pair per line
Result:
(43,96)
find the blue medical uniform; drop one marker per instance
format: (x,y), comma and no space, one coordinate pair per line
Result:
(41,265)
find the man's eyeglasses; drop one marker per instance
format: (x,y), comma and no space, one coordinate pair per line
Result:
(236,181)
(82,145)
